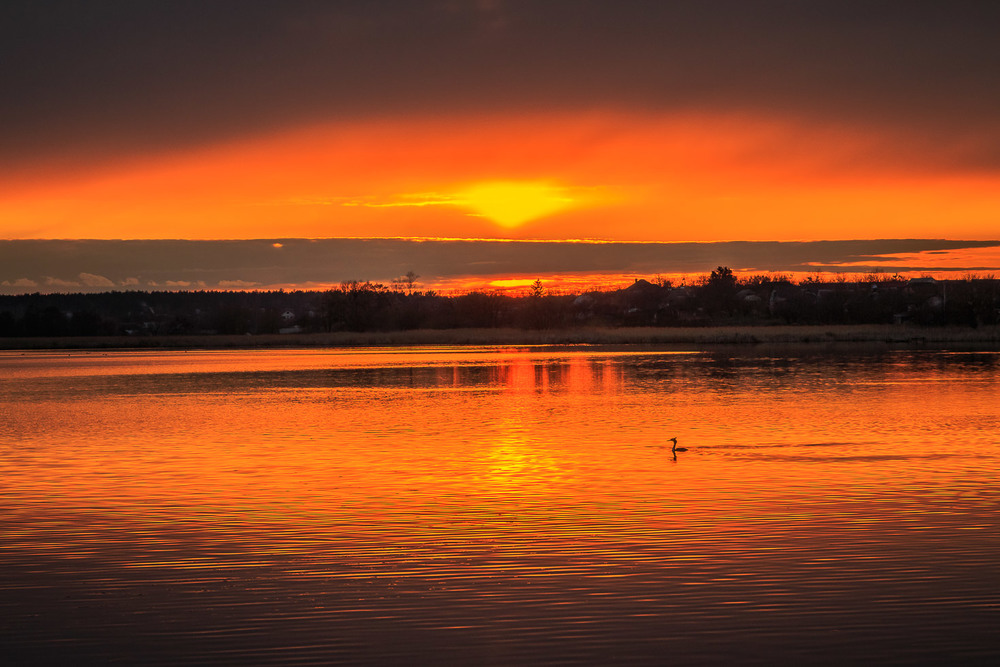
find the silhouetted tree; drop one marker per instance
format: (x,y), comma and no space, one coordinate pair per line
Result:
(718,298)
(481,309)
(720,290)
(8,324)
(45,321)
(88,323)
(410,280)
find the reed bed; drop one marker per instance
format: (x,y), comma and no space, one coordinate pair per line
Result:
(697,336)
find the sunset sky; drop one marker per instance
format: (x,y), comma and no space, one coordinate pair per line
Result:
(640,122)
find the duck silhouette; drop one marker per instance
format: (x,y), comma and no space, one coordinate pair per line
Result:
(675,448)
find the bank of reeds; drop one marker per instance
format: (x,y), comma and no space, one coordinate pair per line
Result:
(700,336)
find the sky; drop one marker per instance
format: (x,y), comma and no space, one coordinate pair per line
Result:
(623,123)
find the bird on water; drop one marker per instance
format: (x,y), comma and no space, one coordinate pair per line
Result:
(675,448)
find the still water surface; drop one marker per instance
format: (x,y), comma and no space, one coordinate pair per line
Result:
(493,505)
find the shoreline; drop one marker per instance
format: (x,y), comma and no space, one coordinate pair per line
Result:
(709,336)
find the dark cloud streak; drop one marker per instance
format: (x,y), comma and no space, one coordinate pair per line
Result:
(91,265)
(118,76)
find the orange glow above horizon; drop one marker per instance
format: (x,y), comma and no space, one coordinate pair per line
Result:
(599,176)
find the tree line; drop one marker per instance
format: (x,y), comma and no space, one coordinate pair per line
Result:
(719,298)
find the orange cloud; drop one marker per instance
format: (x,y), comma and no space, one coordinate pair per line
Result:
(660,178)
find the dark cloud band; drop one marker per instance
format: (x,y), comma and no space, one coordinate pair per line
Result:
(67,266)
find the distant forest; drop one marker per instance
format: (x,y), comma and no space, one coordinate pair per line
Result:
(720,298)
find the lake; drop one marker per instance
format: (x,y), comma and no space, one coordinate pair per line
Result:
(500,505)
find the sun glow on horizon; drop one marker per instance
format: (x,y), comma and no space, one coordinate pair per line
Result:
(512,203)
(509,203)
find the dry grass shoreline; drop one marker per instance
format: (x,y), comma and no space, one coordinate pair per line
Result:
(707,336)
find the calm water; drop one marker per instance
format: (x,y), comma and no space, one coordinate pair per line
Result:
(487,506)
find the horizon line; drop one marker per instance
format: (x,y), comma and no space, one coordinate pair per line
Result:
(422,239)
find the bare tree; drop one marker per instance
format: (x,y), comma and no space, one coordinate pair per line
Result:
(406,283)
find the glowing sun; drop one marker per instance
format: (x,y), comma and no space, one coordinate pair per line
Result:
(512,203)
